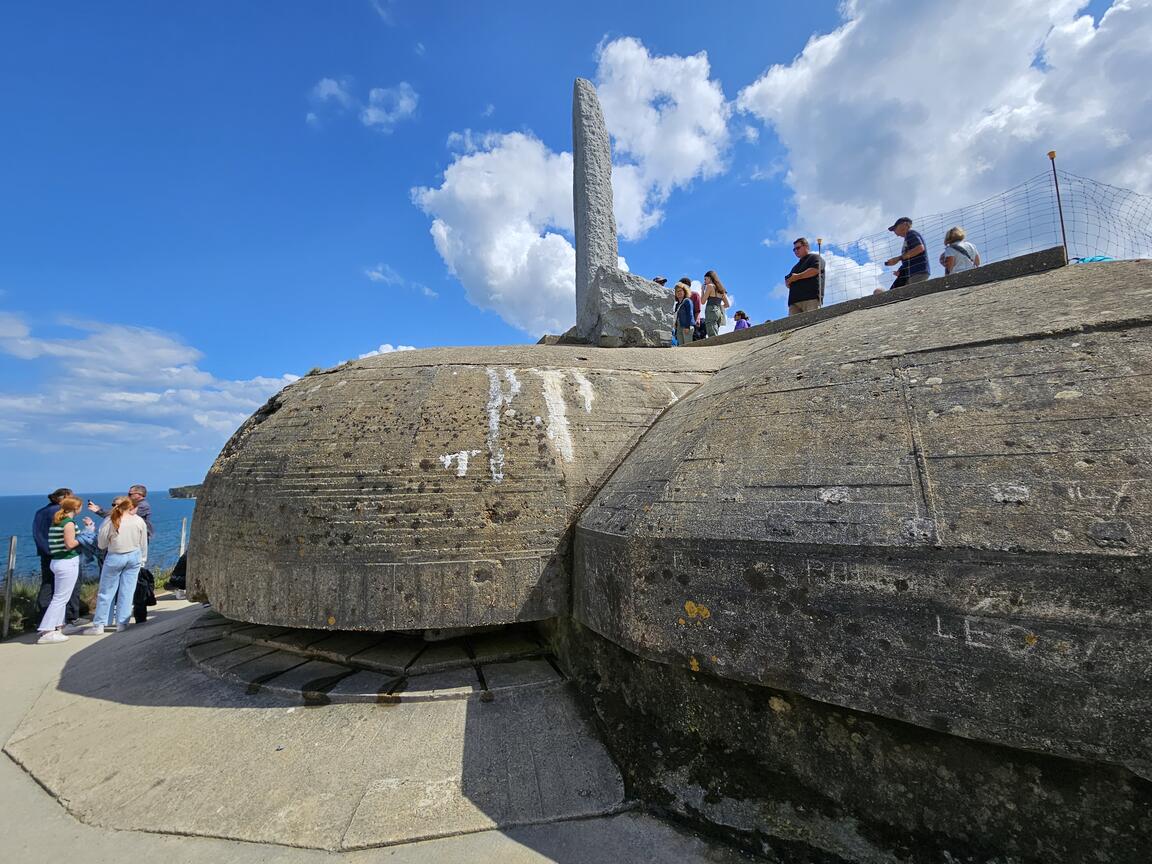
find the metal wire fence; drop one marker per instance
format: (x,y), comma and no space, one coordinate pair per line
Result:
(1099,220)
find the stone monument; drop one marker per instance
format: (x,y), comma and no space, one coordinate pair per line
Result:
(613,308)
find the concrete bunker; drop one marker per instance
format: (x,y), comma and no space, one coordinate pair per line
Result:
(872,587)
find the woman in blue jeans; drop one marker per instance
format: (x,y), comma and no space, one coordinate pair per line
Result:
(124,537)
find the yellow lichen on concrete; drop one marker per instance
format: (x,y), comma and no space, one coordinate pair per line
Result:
(696,610)
(780,706)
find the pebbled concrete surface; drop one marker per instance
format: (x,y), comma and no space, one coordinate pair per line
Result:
(130,737)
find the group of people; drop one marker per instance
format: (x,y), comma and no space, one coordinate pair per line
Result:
(698,317)
(958,254)
(122,542)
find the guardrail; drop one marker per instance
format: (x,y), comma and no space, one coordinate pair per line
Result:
(9,575)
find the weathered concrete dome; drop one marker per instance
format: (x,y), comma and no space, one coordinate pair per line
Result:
(875,585)
(422,489)
(936,511)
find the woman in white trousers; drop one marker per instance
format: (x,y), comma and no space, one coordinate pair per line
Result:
(65,551)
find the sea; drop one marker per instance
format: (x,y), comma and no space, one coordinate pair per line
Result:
(16,513)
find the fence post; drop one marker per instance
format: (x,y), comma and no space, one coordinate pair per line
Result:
(1059,203)
(820,269)
(183,532)
(10,573)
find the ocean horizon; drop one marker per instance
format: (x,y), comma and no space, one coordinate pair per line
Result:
(16,513)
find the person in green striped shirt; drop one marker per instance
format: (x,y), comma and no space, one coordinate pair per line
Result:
(64,549)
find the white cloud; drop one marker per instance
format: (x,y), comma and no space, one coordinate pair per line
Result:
(384,108)
(385,275)
(419,49)
(668,120)
(115,383)
(846,278)
(331,90)
(502,216)
(383,9)
(496,221)
(488,111)
(387,348)
(969,110)
(387,106)
(464,141)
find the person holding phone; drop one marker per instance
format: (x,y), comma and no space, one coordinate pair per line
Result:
(124,537)
(139,496)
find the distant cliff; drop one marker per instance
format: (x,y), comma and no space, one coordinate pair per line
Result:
(184,491)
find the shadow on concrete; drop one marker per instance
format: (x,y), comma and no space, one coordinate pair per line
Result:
(382,773)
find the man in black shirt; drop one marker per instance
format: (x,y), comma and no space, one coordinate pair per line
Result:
(804,280)
(913,257)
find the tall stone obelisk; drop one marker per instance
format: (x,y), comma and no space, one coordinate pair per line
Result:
(592,202)
(612,307)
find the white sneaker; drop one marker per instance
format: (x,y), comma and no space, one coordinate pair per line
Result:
(120,628)
(181,594)
(94,630)
(48,637)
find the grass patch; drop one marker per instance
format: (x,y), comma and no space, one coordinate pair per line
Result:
(25,616)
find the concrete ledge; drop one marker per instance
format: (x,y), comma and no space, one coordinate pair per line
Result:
(998,271)
(222,761)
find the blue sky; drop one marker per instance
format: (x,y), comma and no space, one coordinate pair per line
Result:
(201,199)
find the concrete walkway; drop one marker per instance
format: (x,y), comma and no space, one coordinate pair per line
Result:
(166,756)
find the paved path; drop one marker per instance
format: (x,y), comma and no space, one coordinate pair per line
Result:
(168,749)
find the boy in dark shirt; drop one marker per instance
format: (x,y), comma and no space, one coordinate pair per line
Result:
(803,280)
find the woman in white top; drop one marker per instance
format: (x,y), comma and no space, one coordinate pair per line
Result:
(124,536)
(959,254)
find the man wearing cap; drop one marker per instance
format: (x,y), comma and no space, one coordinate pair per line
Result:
(913,257)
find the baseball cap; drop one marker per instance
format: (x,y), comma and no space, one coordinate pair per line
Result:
(899,221)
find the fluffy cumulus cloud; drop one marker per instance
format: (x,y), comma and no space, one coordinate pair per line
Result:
(502,217)
(97,395)
(497,218)
(384,108)
(669,125)
(923,107)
